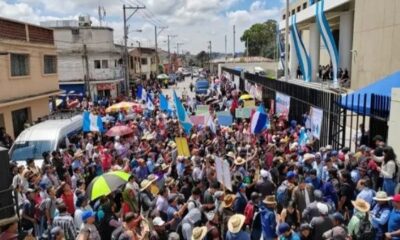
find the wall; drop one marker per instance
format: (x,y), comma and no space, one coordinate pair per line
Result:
(38,108)
(394,121)
(33,84)
(375,42)
(270,66)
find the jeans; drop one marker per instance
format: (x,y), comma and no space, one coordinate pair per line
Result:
(388,186)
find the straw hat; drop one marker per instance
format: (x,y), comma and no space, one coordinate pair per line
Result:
(361,205)
(145,184)
(164,166)
(235,223)
(228,200)
(270,200)
(152,178)
(78,153)
(172,144)
(199,233)
(208,142)
(308,156)
(239,161)
(382,196)
(230,154)
(149,137)
(169,181)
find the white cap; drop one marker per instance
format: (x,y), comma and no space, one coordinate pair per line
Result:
(322,208)
(158,222)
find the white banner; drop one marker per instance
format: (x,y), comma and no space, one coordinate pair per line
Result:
(223,173)
(282,104)
(316,121)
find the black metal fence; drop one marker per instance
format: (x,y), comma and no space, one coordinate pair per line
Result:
(338,122)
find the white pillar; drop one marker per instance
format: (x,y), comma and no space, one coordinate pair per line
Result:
(314,50)
(394,121)
(293,61)
(345,40)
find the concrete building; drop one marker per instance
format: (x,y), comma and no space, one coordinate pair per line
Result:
(363,39)
(28,74)
(142,63)
(86,50)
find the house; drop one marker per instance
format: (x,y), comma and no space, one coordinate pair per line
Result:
(87,52)
(142,63)
(28,74)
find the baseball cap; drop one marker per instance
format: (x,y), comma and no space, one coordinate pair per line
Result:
(396,198)
(87,214)
(290,174)
(158,222)
(283,227)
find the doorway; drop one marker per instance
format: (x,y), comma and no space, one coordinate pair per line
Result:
(19,118)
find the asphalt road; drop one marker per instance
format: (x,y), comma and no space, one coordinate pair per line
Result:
(179,87)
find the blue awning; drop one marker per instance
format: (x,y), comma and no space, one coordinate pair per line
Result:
(75,88)
(355,101)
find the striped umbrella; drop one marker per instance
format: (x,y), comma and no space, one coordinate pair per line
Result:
(105,184)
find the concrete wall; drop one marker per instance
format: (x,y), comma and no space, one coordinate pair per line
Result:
(36,82)
(394,121)
(376,51)
(37,108)
(267,66)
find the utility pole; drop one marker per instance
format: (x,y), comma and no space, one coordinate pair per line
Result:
(210,47)
(156,41)
(247,46)
(234,36)
(226,39)
(287,41)
(87,83)
(126,57)
(169,52)
(140,61)
(177,47)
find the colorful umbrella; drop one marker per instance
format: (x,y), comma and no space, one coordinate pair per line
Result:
(123,106)
(105,184)
(119,131)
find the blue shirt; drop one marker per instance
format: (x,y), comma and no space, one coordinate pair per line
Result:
(394,222)
(379,217)
(242,235)
(141,173)
(367,194)
(293,236)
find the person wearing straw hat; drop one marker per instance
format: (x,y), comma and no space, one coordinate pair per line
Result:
(147,200)
(380,214)
(361,209)
(235,231)
(199,233)
(227,210)
(264,224)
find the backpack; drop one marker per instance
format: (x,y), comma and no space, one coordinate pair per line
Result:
(282,195)
(365,230)
(249,213)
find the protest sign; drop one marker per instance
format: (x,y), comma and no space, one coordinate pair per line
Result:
(243,112)
(224,118)
(316,121)
(197,119)
(202,109)
(249,103)
(282,104)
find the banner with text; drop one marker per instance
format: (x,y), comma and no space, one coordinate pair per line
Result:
(200,109)
(282,104)
(316,121)
(243,112)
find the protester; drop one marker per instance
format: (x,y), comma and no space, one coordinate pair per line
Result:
(286,232)
(235,231)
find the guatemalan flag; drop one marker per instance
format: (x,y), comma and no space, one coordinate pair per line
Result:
(164,105)
(149,103)
(183,118)
(259,120)
(92,123)
(141,93)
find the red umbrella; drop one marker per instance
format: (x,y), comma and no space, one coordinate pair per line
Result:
(119,131)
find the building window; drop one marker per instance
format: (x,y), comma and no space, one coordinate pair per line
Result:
(305,5)
(50,64)
(104,63)
(293,11)
(19,64)
(143,61)
(153,60)
(284,17)
(131,62)
(97,64)
(298,8)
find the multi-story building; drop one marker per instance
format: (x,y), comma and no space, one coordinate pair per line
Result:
(28,73)
(365,36)
(142,63)
(86,50)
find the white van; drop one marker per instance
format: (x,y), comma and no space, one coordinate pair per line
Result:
(46,136)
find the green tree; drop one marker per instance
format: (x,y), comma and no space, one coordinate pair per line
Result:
(202,58)
(261,39)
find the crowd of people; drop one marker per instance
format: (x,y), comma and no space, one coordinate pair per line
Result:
(281,188)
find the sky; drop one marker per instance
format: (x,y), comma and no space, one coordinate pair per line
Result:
(194,22)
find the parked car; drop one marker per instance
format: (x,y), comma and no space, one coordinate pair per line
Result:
(172,79)
(47,136)
(201,86)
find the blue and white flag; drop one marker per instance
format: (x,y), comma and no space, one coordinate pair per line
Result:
(149,103)
(139,92)
(303,137)
(164,105)
(92,123)
(262,110)
(259,121)
(211,125)
(181,113)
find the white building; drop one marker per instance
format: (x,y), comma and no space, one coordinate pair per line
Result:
(78,43)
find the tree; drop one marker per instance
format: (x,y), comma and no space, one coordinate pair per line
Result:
(261,39)
(202,57)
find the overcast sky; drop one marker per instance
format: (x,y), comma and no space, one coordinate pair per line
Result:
(194,21)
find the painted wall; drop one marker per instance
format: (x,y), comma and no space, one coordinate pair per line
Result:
(376,51)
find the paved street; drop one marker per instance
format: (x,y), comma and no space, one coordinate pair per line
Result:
(179,88)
